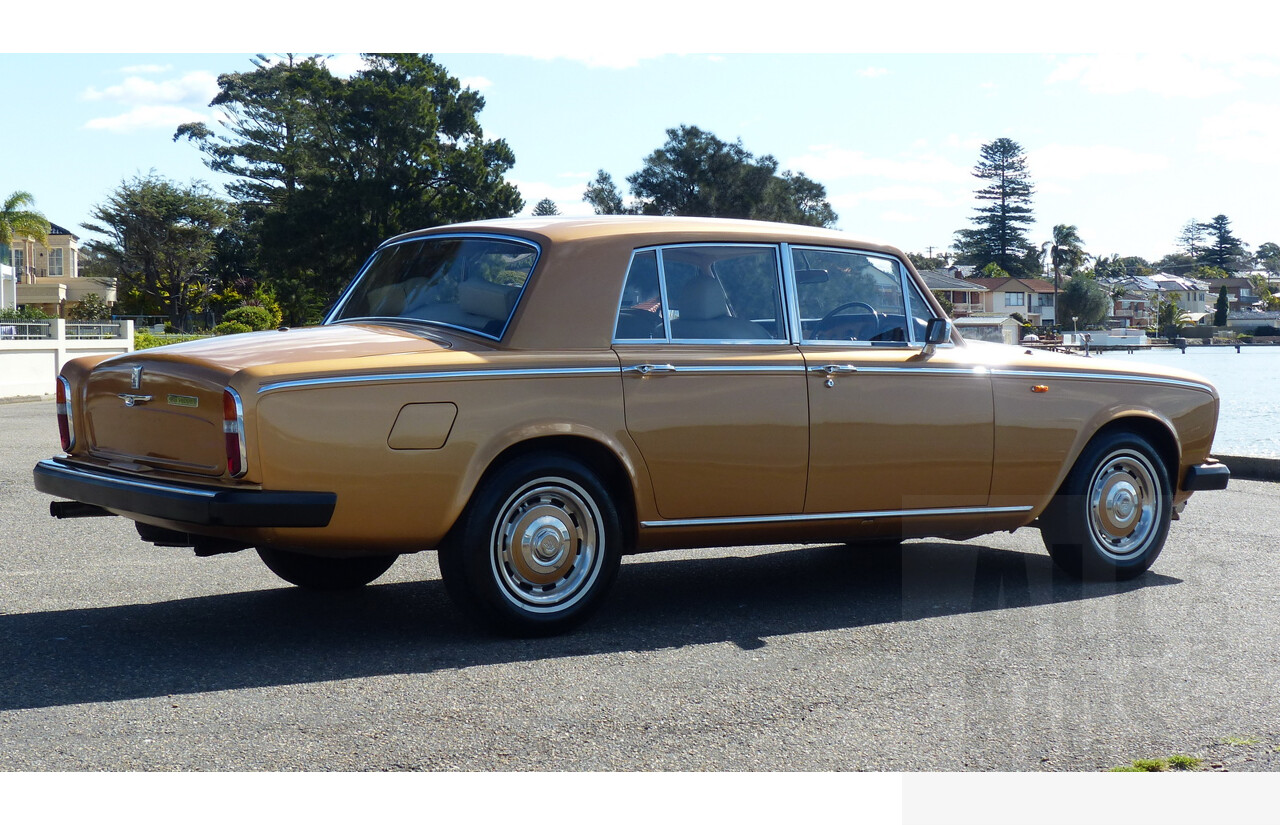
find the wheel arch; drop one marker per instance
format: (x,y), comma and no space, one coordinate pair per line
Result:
(1158,432)
(596,455)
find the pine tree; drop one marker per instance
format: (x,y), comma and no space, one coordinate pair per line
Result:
(1000,236)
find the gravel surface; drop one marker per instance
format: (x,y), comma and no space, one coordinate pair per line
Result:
(119,656)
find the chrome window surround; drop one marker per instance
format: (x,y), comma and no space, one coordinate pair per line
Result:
(346,294)
(787,336)
(904,279)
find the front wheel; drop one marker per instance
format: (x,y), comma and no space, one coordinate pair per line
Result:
(1111,516)
(537,548)
(323,572)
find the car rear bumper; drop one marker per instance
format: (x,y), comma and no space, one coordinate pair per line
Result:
(190,504)
(1206,477)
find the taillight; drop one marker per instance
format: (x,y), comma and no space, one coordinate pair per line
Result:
(66,416)
(233,430)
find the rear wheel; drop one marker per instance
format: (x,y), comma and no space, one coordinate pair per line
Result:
(537,548)
(322,572)
(1111,517)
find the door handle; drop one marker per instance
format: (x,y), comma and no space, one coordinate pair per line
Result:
(645,370)
(835,369)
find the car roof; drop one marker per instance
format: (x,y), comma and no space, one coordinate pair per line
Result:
(645,230)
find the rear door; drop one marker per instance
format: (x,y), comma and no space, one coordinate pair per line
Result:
(714,388)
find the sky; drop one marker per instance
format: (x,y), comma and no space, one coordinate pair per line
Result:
(1126,145)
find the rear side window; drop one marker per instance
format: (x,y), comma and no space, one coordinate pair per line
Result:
(468,283)
(703,292)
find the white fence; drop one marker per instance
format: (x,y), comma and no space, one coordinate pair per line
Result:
(32,352)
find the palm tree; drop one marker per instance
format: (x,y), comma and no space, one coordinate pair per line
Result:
(17,221)
(1065,251)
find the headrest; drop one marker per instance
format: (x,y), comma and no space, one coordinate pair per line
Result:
(488,300)
(702,299)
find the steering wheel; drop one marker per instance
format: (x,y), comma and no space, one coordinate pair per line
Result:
(834,319)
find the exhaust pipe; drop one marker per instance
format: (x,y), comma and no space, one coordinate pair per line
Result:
(76,509)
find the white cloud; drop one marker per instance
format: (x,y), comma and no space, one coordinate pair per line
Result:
(831,162)
(193,88)
(476,83)
(899,217)
(1245,132)
(1168,75)
(146,117)
(923,196)
(344,65)
(568,198)
(1059,162)
(150,68)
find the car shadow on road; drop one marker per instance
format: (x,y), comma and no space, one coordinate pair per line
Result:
(289,636)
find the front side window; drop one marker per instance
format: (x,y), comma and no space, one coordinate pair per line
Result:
(55,263)
(468,283)
(703,293)
(852,296)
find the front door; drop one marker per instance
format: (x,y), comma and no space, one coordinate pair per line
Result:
(891,429)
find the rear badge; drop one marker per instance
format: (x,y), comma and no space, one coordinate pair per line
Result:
(184,401)
(135,378)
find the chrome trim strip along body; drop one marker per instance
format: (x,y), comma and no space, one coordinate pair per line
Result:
(492,236)
(869,514)
(684,369)
(434,376)
(1103,376)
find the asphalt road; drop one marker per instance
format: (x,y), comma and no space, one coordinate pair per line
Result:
(116,655)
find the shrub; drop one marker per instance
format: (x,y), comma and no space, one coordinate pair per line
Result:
(252,317)
(1267,329)
(25,313)
(90,308)
(231,328)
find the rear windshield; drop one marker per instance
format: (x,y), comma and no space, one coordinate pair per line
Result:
(469,283)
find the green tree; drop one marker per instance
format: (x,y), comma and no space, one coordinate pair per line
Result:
(1223,249)
(545,207)
(17,220)
(993,270)
(1170,317)
(1000,236)
(328,167)
(89,308)
(947,306)
(1066,255)
(1085,300)
(604,197)
(697,173)
(1268,256)
(159,241)
(1221,307)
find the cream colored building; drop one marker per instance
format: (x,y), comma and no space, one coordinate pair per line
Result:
(49,278)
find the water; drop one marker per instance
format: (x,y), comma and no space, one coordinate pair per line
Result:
(1249,383)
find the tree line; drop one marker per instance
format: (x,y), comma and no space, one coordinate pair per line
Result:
(324,168)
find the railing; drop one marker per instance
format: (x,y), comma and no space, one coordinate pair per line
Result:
(25,330)
(85,331)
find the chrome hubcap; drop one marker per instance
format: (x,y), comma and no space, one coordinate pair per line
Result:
(1124,504)
(545,548)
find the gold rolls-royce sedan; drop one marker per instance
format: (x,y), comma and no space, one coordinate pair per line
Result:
(534,398)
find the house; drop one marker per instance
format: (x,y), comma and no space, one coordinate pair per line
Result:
(1032,298)
(1241,293)
(965,295)
(49,278)
(1143,295)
